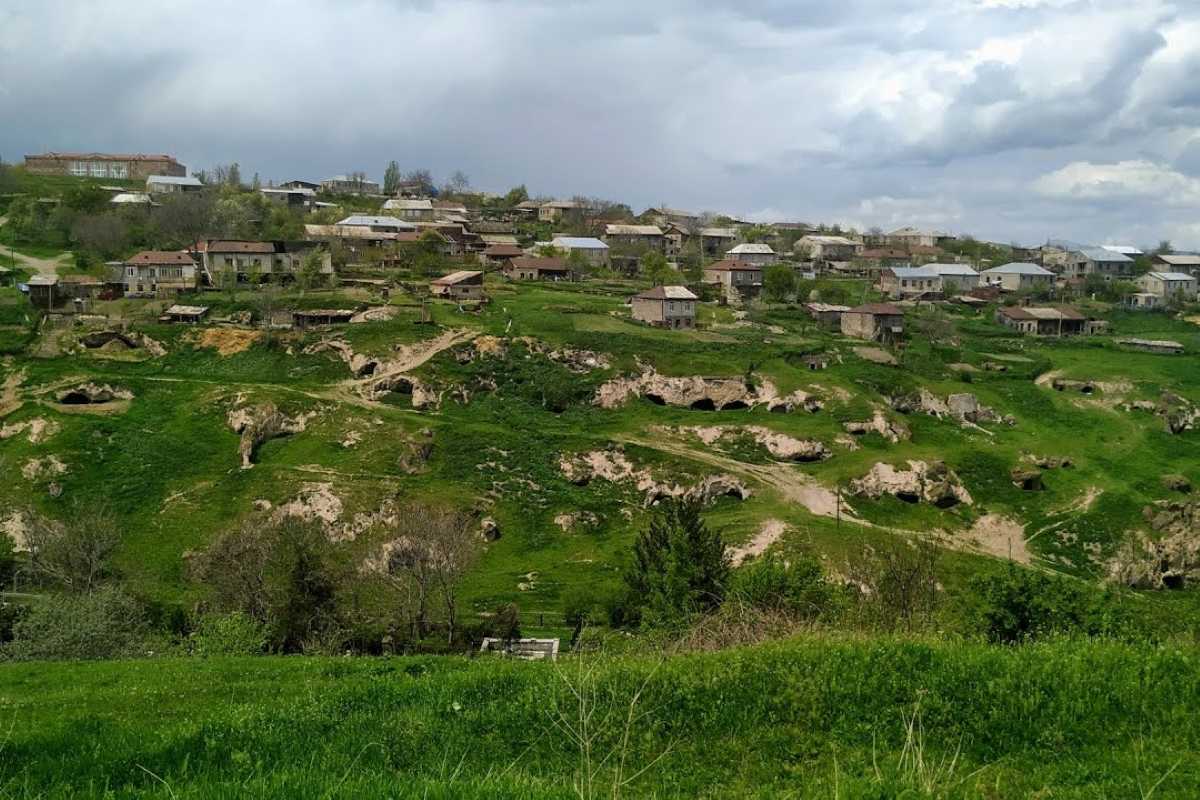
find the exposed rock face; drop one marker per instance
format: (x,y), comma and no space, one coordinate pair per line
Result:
(1063,385)
(259,424)
(1026,478)
(893,431)
(576,519)
(37,430)
(965,408)
(779,445)
(92,394)
(1178,413)
(931,483)
(614,466)
(1170,561)
(43,468)
(317,501)
(1050,462)
(423,396)
(361,366)
(703,394)
(489,529)
(1176,483)
(14,526)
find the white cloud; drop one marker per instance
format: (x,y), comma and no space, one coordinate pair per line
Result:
(1124,180)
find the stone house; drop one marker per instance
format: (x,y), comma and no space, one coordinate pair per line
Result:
(1078,264)
(758,254)
(738,279)
(1017,276)
(1179,262)
(152,272)
(462,285)
(497,255)
(875,322)
(553,210)
(815,247)
(528,268)
(931,280)
(378,224)
(594,250)
(665,307)
(635,237)
(827,314)
(348,184)
(1045,321)
(411,209)
(1168,285)
(256,262)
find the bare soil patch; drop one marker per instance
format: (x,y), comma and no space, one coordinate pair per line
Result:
(768,534)
(227,341)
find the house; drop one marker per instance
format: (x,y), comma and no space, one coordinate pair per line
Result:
(528,207)
(413,209)
(489,239)
(1045,321)
(737,279)
(752,253)
(190,315)
(666,216)
(714,241)
(827,248)
(377,224)
(79,287)
(499,254)
(1179,262)
(936,280)
(309,185)
(827,313)
(311,317)
(1168,285)
(883,257)
(1143,301)
(1126,250)
(171,184)
(462,285)
(445,209)
(151,272)
(254,262)
(644,237)
(875,322)
(295,197)
(1086,261)
(104,165)
(909,236)
(43,291)
(349,184)
(1018,276)
(528,268)
(594,250)
(665,307)
(354,237)
(553,210)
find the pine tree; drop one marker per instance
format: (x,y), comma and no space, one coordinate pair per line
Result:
(679,567)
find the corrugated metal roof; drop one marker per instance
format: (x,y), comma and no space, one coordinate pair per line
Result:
(632,230)
(668,293)
(456,277)
(171,180)
(1181,259)
(579,243)
(842,240)
(1106,256)
(405,204)
(1018,268)
(755,248)
(1123,249)
(935,271)
(1171,276)
(378,222)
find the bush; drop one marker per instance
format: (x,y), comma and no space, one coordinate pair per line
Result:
(1020,605)
(797,587)
(104,624)
(235,634)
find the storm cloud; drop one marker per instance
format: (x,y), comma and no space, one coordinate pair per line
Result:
(1007,119)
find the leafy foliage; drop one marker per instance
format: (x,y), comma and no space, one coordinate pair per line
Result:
(680,567)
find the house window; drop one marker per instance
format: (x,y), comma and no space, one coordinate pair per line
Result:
(98,169)
(118,170)
(79,169)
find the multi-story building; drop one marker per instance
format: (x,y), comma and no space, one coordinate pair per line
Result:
(104,165)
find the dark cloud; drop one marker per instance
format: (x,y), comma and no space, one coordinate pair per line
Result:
(861,111)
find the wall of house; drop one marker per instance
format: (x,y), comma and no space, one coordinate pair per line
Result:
(860,326)
(648,310)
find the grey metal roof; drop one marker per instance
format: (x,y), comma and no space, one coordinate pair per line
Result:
(1018,268)
(935,271)
(1171,276)
(1100,254)
(579,243)
(752,247)
(172,180)
(370,221)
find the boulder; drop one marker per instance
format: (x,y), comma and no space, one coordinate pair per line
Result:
(1176,483)
(1168,560)
(489,529)
(893,431)
(1028,479)
(259,424)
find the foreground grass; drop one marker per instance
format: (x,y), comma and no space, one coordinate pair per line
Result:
(819,717)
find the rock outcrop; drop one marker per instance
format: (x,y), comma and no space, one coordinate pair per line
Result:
(36,430)
(965,408)
(1168,560)
(703,394)
(933,483)
(614,466)
(892,430)
(259,424)
(87,394)
(779,445)
(41,469)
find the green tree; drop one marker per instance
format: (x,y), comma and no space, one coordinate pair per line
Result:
(516,196)
(234,177)
(679,566)
(655,268)
(309,274)
(87,198)
(578,263)
(391,178)
(779,282)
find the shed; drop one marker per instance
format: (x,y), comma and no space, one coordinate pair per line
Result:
(308,318)
(188,314)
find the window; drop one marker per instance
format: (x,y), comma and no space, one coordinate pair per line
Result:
(118,170)
(98,169)
(79,169)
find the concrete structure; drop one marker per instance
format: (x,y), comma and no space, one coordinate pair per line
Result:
(462,285)
(254,262)
(412,209)
(553,210)
(1179,262)
(738,280)
(43,292)
(752,253)
(647,237)
(293,197)
(189,315)
(1017,276)
(1064,321)
(378,224)
(527,268)
(348,184)
(665,307)
(667,216)
(497,255)
(594,250)
(171,184)
(714,241)
(1168,285)
(104,165)
(827,248)
(1085,261)
(931,280)
(910,237)
(152,272)
(875,322)
(827,314)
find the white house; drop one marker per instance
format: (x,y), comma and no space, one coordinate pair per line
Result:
(936,279)
(1018,275)
(594,250)
(1166,285)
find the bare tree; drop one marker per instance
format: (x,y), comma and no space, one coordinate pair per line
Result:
(898,583)
(77,553)
(431,548)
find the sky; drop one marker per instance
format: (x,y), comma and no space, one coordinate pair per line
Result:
(1010,120)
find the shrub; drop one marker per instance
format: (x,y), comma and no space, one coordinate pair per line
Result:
(103,624)
(1019,605)
(234,634)
(898,583)
(797,586)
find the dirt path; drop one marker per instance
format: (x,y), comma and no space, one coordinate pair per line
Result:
(42,266)
(409,357)
(768,534)
(999,536)
(790,483)
(10,392)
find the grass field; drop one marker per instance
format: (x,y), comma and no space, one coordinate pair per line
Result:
(169,464)
(810,718)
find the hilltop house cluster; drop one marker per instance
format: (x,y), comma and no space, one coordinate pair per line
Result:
(907,265)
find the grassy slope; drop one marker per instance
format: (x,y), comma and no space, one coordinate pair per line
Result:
(813,718)
(169,464)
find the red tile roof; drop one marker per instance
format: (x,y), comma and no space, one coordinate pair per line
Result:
(544,264)
(733,265)
(878,309)
(162,257)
